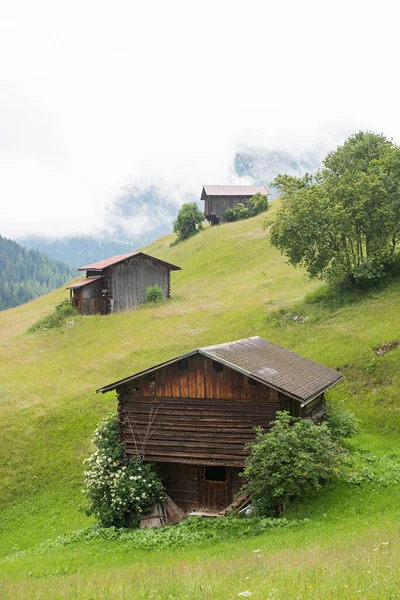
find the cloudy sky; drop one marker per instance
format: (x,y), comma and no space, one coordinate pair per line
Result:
(96,96)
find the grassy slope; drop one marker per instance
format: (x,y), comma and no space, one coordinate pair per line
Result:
(232,283)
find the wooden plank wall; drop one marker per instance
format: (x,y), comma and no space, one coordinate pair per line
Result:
(201,380)
(217,205)
(90,300)
(131,278)
(314,408)
(193,431)
(201,416)
(181,483)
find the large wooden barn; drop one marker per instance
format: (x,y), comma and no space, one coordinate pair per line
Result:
(192,416)
(217,198)
(120,283)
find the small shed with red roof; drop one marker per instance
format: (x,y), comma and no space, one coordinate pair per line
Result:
(217,198)
(120,283)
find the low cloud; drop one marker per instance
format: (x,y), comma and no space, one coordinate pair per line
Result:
(104,104)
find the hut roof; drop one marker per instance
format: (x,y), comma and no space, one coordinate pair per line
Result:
(272,365)
(81,283)
(233,190)
(113,260)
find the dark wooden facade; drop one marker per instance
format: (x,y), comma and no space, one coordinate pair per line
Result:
(215,207)
(199,414)
(120,285)
(220,197)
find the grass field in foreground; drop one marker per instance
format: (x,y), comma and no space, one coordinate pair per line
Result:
(234,284)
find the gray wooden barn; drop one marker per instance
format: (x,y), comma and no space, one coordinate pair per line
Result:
(120,282)
(191,416)
(217,198)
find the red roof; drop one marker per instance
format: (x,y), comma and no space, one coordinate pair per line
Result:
(82,282)
(234,190)
(113,260)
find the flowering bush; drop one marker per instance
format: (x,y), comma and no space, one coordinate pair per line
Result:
(118,494)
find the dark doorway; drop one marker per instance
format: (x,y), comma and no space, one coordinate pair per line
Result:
(215,487)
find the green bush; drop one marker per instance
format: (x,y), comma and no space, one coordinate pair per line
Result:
(294,458)
(237,213)
(154,293)
(118,494)
(62,311)
(256,205)
(342,423)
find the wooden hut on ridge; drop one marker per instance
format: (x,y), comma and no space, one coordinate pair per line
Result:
(120,283)
(191,416)
(217,198)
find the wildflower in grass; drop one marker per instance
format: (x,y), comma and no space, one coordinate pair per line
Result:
(246,593)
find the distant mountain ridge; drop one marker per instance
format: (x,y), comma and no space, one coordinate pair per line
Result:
(26,274)
(145,212)
(79,250)
(262,166)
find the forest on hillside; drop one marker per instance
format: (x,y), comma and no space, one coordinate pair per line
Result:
(26,274)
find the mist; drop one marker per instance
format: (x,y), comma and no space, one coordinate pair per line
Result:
(97,100)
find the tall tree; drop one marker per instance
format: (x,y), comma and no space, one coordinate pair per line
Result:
(344,222)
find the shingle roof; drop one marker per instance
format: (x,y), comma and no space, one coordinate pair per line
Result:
(81,283)
(113,260)
(285,370)
(233,190)
(296,376)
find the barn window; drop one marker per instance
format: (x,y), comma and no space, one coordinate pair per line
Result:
(218,368)
(214,473)
(183,364)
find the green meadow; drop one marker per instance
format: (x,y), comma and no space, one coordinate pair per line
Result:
(342,543)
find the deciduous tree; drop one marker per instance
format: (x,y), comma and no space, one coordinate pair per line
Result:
(188,221)
(344,222)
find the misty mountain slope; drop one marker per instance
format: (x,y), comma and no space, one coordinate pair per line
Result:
(140,215)
(263,166)
(26,274)
(79,250)
(144,212)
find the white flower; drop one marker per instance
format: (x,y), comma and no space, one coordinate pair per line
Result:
(258,550)
(245,593)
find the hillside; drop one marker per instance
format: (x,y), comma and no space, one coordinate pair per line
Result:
(233,285)
(143,213)
(26,274)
